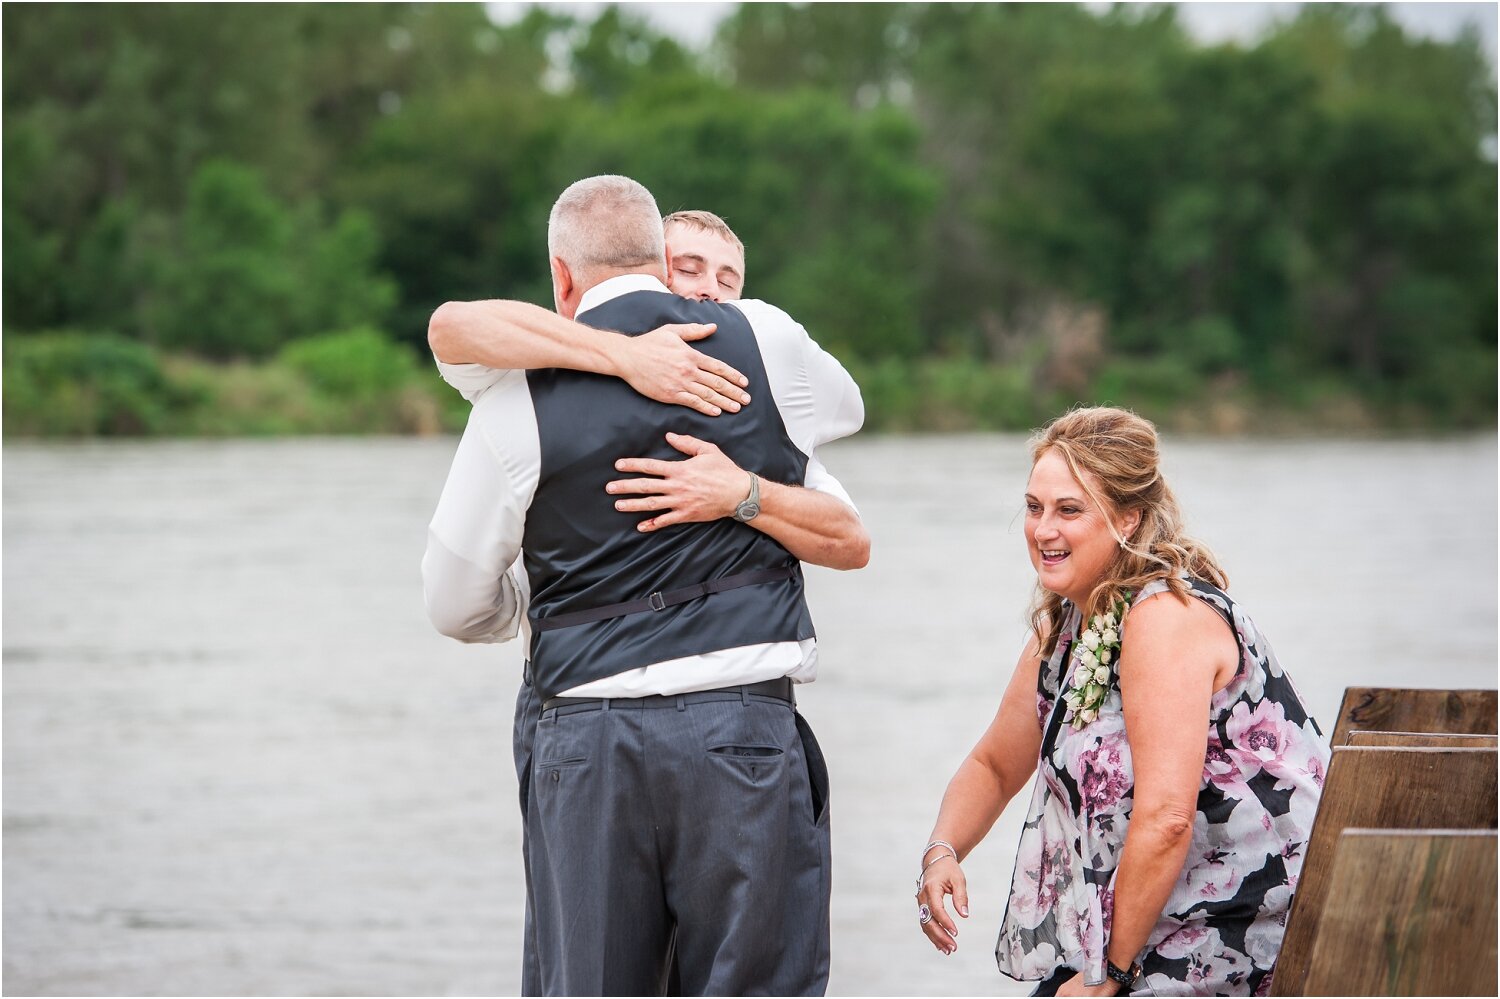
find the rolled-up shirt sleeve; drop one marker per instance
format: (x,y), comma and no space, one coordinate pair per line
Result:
(471,380)
(472,589)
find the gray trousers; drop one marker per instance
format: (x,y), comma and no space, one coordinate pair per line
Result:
(528,712)
(679,846)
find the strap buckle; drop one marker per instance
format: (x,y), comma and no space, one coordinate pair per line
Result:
(657,601)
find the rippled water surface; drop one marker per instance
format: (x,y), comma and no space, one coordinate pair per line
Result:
(239,761)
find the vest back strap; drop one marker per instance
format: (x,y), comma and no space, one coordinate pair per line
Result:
(662,599)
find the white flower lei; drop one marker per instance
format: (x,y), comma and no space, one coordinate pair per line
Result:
(1095,657)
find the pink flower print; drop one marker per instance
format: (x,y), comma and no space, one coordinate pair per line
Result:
(1300,759)
(1263,936)
(1054,875)
(1185,941)
(1218,765)
(1223,770)
(1103,773)
(1263,733)
(1212,874)
(1036,899)
(1028,909)
(1036,890)
(1311,758)
(1039,962)
(1225,969)
(1072,927)
(1210,964)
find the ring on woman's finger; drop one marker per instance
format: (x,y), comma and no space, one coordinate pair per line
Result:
(924,914)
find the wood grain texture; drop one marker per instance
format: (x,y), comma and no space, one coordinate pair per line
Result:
(1409,914)
(1401,709)
(1380,788)
(1433,740)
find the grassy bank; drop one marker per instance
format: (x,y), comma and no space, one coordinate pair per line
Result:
(73,384)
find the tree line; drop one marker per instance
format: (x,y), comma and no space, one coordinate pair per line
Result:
(991,211)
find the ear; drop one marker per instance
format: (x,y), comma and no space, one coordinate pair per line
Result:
(562,288)
(1128,523)
(666,264)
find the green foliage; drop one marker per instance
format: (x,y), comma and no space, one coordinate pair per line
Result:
(952,394)
(72,383)
(246,274)
(831,203)
(356,365)
(69,384)
(988,209)
(460,189)
(1147,385)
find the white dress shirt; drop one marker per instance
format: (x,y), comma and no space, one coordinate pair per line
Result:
(476,587)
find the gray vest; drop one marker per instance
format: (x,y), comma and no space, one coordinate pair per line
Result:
(582,554)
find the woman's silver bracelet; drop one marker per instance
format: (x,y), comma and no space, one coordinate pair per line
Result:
(941,856)
(922,875)
(939,842)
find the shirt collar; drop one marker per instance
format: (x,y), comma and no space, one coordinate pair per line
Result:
(621,284)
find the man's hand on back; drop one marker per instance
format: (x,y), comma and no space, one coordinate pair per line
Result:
(706,486)
(508,335)
(813,526)
(660,365)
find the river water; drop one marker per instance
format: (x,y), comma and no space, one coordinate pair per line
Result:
(238,761)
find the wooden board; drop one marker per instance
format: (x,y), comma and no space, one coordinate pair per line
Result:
(1400,709)
(1433,740)
(1381,788)
(1409,914)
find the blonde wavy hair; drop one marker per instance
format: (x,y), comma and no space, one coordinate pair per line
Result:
(1119,452)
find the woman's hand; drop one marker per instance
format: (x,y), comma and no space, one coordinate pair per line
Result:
(942,879)
(1075,987)
(995,769)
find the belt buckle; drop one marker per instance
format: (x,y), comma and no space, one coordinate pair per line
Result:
(657,601)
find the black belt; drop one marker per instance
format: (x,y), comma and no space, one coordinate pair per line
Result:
(662,599)
(779,689)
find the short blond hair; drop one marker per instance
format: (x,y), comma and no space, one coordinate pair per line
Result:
(705,222)
(607,222)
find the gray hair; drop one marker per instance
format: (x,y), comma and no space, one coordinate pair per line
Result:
(606,222)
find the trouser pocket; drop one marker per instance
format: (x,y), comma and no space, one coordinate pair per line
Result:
(817,769)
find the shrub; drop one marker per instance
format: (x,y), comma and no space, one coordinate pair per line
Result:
(355,365)
(75,383)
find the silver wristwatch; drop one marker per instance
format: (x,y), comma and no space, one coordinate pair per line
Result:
(749,506)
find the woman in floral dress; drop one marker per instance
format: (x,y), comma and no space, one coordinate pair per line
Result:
(1177,771)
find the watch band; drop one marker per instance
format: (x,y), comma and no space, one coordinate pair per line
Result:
(749,507)
(1123,978)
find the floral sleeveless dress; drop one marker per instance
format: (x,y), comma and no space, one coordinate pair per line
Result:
(1221,928)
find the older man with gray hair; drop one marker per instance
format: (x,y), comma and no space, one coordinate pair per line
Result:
(673,786)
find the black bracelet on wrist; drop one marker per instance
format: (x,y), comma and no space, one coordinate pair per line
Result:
(1123,978)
